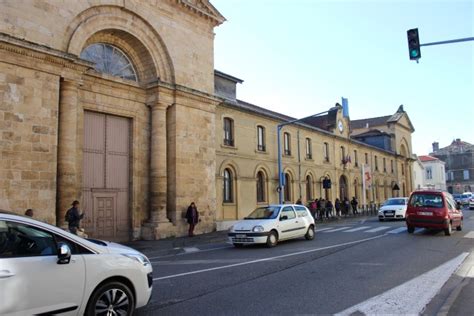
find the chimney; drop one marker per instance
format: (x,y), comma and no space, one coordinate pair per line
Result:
(435,146)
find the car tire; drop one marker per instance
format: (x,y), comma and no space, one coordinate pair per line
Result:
(272,239)
(459,228)
(237,245)
(310,233)
(122,299)
(410,229)
(380,219)
(449,230)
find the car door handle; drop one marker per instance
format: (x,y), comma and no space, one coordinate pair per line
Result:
(6,274)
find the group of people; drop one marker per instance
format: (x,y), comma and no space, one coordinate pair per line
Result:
(322,208)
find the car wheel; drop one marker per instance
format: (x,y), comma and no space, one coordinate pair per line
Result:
(310,233)
(459,228)
(272,239)
(448,230)
(380,219)
(113,298)
(410,229)
(237,245)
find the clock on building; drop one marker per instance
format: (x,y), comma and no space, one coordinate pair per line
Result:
(340,126)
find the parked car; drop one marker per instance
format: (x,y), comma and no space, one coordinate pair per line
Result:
(471,203)
(466,197)
(271,224)
(434,210)
(393,208)
(45,270)
(457,197)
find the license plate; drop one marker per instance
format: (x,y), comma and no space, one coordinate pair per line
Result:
(240,236)
(389,213)
(425,213)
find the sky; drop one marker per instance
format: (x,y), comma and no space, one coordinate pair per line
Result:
(299,57)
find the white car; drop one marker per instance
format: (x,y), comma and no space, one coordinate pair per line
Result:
(393,208)
(273,223)
(45,270)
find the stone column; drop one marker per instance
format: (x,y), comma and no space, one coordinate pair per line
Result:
(68,188)
(158,170)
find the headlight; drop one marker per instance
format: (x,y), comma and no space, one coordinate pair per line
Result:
(258,229)
(231,228)
(138,257)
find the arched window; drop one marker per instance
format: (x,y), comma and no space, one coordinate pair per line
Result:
(287,191)
(110,60)
(309,188)
(228,187)
(261,187)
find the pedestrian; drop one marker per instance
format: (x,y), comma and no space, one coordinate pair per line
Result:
(337,206)
(347,206)
(329,208)
(192,216)
(73,217)
(354,204)
(299,201)
(29,212)
(313,208)
(322,209)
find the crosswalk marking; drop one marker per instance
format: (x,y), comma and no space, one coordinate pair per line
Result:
(398,230)
(336,229)
(377,229)
(469,235)
(356,229)
(318,230)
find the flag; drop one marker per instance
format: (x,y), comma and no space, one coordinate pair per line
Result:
(367,176)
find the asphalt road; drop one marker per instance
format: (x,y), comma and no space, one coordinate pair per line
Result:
(346,264)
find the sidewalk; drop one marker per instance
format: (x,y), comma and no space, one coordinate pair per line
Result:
(177,245)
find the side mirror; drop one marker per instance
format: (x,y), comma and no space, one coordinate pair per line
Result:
(283,218)
(64,253)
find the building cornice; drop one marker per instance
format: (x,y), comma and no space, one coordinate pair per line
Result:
(204,9)
(43,53)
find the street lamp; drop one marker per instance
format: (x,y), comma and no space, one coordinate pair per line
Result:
(280,175)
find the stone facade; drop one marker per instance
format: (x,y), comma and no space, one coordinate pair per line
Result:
(46,88)
(58,110)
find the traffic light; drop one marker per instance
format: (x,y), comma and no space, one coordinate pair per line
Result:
(413,44)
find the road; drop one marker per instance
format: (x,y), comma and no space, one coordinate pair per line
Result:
(347,264)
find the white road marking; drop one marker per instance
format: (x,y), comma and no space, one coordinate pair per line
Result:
(411,297)
(377,229)
(187,253)
(190,249)
(356,229)
(398,230)
(336,229)
(318,230)
(267,259)
(469,235)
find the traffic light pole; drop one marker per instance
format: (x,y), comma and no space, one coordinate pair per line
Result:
(466,39)
(280,176)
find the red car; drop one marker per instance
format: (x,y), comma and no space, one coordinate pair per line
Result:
(433,209)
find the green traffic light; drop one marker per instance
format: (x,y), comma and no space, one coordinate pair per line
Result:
(414,53)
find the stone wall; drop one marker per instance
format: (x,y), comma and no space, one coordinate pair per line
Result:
(28,141)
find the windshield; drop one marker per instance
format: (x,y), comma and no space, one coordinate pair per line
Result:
(267,212)
(395,202)
(466,195)
(457,196)
(427,200)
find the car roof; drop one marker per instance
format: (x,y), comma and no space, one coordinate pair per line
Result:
(7,215)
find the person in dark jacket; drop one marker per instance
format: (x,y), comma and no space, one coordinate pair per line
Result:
(73,217)
(192,216)
(354,204)
(337,206)
(329,208)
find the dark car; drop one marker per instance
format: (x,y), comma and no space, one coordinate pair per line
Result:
(433,209)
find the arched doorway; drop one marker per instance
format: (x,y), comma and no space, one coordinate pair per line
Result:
(343,188)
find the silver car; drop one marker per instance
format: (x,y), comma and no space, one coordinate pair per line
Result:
(271,224)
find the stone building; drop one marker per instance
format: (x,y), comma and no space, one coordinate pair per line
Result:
(115,103)
(433,173)
(459,159)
